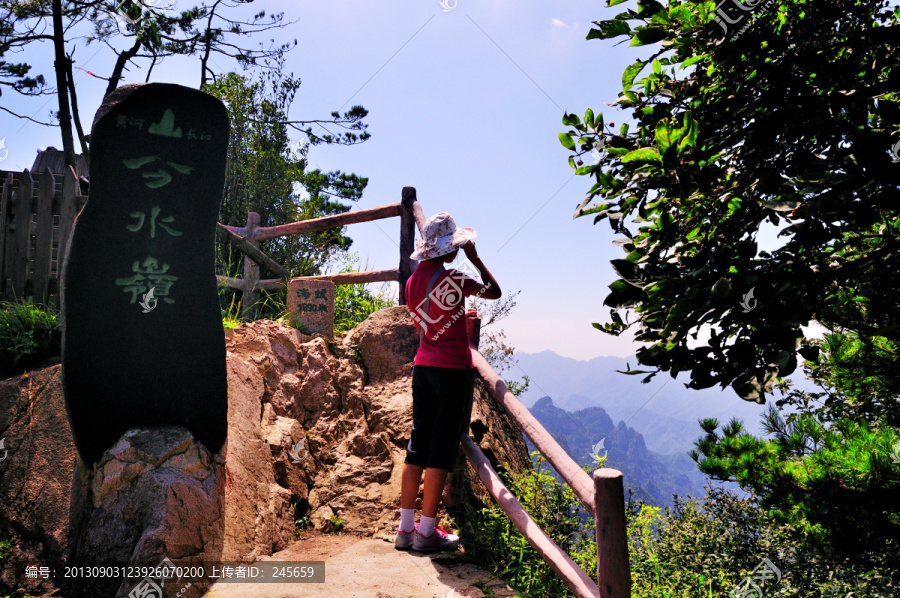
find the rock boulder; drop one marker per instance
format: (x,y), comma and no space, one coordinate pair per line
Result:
(317,429)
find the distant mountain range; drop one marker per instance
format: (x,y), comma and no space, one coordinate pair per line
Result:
(664,412)
(651,477)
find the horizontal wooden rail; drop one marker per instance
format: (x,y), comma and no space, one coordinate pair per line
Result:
(580,481)
(324,223)
(572,575)
(389,275)
(272,284)
(248,249)
(339,278)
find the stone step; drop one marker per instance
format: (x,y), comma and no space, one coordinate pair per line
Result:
(371,568)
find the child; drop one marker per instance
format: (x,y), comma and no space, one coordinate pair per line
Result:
(442,373)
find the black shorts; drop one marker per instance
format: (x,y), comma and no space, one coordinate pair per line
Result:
(439,408)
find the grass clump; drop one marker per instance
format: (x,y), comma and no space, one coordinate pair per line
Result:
(29,334)
(337,524)
(353,303)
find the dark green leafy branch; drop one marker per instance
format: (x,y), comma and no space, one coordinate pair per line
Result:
(789,124)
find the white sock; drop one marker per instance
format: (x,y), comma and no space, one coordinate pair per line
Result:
(426,525)
(407,520)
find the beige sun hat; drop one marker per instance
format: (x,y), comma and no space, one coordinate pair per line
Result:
(441,237)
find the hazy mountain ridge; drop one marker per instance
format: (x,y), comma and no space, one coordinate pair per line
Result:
(652,477)
(668,421)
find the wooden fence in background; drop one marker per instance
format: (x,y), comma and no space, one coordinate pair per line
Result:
(37,210)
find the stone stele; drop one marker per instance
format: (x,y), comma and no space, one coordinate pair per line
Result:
(311,305)
(142,337)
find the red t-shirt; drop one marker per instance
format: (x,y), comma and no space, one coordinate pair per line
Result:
(446,344)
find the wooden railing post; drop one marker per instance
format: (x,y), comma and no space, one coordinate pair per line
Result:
(251,271)
(613,568)
(407,239)
(20,255)
(473,329)
(454,489)
(43,238)
(5,207)
(473,332)
(418,215)
(68,208)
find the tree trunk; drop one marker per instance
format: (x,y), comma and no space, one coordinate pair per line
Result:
(62,88)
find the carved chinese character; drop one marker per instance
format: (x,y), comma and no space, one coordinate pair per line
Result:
(147,275)
(154,212)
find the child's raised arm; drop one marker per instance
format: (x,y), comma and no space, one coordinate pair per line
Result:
(492,289)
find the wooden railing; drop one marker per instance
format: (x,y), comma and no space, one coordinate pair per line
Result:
(37,211)
(603,496)
(247,238)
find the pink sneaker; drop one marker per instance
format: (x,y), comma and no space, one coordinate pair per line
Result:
(404,540)
(439,540)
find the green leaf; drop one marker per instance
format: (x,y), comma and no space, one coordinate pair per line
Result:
(645,154)
(631,72)
(664,136)
(609,29)
(614,2)
(664,221)
(647,35)
(688,133)
(571,120)
(592,210)
(589,117)
(620,286)
(648,8)
(693,60)
(657,67)
(566,140)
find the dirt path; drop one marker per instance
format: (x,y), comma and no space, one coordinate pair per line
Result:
(371,568)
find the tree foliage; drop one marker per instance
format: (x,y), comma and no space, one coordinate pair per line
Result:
(831,465)
(788,121)
(265,174)
(751,117)
(140,33)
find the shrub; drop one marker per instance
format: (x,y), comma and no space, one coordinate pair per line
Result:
(353,303)
(29,334)
(697,549)
(556,509)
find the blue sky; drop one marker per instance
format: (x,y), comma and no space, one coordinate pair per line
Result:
(465,105)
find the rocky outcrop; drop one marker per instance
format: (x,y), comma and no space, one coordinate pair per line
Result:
(37,475)
(316,428)
(156,494)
